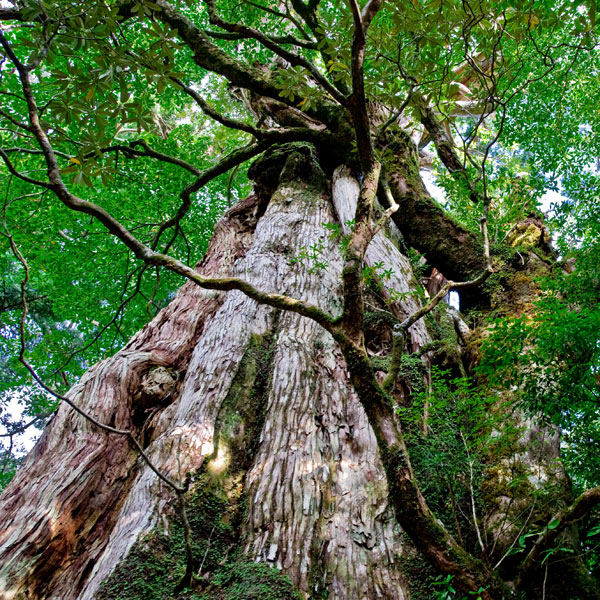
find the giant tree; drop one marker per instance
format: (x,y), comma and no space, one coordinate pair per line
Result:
(306,399)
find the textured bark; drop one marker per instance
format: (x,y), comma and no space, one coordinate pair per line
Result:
(59,510)
(263,402)
(382,250)
(316,491)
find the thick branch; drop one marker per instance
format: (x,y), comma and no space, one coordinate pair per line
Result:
(140,250)
(10,14)
(358,103)
(277,39)
(308,12)
(362,235)
(363,228)
(445,147)
(454,250)
(209,56)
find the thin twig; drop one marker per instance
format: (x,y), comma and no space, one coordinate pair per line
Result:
(472,494)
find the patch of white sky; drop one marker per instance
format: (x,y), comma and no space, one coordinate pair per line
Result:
(549,198)
(22,442)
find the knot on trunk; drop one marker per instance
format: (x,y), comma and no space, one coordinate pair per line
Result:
(156,386)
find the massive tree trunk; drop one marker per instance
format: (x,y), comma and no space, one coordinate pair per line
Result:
(219,385)
(250,406)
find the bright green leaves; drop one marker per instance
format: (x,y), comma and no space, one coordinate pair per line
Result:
(340,71)
(87,295)
(101,73)
(293,85)
(305,98)
(444,588)
(512,192)
(447,430)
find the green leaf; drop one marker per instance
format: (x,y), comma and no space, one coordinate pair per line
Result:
(553,524)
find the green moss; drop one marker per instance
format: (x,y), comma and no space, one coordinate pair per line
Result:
(502,253)
(375,318)
(242,413)
(156,563)
(412,370)
(446,349)
(419,575)
(527,238)
(282,163)
(440,324)
(317,575)
(243,580)
(215,507)
(381,363)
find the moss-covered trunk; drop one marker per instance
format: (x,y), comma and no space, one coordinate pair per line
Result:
(254,409)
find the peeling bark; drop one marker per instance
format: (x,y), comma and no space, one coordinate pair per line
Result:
(76,478)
